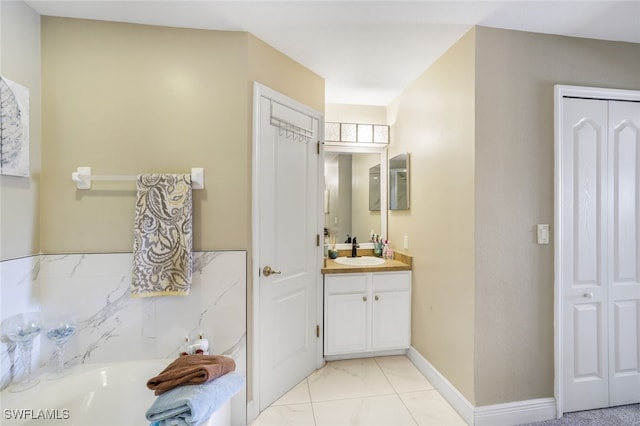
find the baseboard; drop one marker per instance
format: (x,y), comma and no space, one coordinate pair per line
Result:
(252,412)
(446,389)
(508,414)
(516,413)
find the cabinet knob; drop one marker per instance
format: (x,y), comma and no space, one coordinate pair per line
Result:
(376,297)
(364,298)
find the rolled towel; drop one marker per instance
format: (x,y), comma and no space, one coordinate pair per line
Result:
(191,370)
(194,404)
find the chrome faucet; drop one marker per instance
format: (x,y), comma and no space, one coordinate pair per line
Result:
(354,247)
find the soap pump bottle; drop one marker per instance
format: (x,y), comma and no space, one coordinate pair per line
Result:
(184,348)
(201,345)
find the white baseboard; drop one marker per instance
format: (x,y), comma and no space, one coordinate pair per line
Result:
(508,414)
(516,413)
(446,389)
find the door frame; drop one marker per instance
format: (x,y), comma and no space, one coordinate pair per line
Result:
(259,91)
(560,92)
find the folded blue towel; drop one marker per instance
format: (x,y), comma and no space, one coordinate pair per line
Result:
(193,404)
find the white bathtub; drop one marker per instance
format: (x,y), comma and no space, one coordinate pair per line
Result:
(93,395)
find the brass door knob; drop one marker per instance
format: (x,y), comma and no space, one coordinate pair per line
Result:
(266,271)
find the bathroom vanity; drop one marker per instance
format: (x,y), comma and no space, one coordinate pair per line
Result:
(367,309)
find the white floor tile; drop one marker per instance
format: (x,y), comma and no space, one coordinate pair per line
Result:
(362,392)
(286,415)
(372,411)
(403,375)
(429,408)
(353,378)
(297,395)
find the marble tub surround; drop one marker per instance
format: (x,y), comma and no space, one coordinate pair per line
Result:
(400,262)
(17,294)
(113,326)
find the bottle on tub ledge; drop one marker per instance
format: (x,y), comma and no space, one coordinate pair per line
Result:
(200,346)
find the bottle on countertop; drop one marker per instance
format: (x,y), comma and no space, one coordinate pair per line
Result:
(387,252)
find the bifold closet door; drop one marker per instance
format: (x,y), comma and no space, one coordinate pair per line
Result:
(600,245)
(624,252)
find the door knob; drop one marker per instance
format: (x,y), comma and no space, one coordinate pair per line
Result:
(588,295)
(377,298)
(266,271)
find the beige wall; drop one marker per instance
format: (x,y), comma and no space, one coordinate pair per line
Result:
(363,114)
(20,62)
(128,99)
(433,120)
(515,74)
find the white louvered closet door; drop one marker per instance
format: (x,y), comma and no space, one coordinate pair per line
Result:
(600,205)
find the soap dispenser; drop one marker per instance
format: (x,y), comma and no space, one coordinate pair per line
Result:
(184,348)
(201,345)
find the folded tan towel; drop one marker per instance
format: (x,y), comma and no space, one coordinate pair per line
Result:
(191,370)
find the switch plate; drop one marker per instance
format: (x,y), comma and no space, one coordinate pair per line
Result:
(406,242)
(543,233)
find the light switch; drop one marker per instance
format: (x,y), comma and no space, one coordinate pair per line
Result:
(543,233)
(406,242)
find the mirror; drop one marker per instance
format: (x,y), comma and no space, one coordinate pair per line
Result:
(374,188)
(399,182)
(353,196)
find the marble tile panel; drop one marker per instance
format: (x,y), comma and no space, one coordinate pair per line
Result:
(372,411)
(113,326)
(403,375)
(299,394)
(17,294)
(350,378)
(286,415)
(429,408)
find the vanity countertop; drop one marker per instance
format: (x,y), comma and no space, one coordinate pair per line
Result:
(400,262)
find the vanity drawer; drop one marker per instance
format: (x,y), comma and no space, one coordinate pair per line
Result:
(345,284)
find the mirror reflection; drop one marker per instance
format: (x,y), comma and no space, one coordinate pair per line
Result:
(399,182)
(349,195)
(374,188)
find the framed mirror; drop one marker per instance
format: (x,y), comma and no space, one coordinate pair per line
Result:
(399,182)
(355,183)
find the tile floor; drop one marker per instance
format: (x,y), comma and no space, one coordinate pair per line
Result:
(381,391)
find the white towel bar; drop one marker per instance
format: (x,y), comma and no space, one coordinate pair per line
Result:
(83,177)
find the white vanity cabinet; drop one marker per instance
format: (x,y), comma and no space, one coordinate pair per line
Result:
(367,312)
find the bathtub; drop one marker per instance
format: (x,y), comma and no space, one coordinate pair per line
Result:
(92,395)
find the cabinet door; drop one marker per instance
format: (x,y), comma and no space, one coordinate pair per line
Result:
(391,311)
(346,310)
(346,323)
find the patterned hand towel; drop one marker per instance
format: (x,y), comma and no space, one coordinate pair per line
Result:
(191,370)
(162,236)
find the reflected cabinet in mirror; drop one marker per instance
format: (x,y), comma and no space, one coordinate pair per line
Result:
(399,182)
(352,195)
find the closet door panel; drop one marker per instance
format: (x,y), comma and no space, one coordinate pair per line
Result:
(584,242)
(624,243)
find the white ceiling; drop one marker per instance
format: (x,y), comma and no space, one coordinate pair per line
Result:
(367,51)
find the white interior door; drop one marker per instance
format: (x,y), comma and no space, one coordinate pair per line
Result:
(600,244)
(288,222)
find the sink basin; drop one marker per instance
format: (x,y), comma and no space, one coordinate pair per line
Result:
(360,261)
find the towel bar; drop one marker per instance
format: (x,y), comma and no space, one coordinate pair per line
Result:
(83,177)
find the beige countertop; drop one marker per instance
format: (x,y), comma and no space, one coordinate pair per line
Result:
(400,262)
